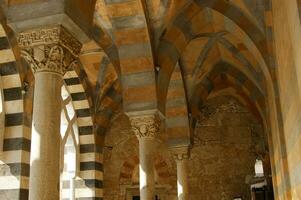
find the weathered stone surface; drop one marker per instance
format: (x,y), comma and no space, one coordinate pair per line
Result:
(222,156)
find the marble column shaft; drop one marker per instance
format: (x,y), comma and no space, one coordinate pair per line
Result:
(49,52)
(45,140)
(146,128)
(181,156)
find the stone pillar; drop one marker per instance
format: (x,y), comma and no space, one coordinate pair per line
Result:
(49,52)
(146,128)
(181,156)
(72,189)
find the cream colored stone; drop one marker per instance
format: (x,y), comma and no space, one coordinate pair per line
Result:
(45,140)
(11,81)
(7,55)
(181,156)
(146,168)
(84,121)
(2,31)
(75,88)
(14,106)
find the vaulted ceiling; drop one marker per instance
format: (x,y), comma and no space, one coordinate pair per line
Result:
(170,55)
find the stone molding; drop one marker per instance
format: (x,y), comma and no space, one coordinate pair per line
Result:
(146,126)
(49,49)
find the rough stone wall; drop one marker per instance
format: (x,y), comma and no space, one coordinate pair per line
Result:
(121,160)
(226,139)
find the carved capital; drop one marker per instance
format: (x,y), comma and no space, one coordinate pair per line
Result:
(180,153)
(56,35)
(49,49)
(146,126)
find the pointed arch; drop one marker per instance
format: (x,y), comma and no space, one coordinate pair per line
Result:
(14,156)
(186,26)
(221,76)
(135,53)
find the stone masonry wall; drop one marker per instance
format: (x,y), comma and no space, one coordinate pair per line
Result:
(226,142)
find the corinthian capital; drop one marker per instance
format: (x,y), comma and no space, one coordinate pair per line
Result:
(181,153)
(49,49)
(146,126)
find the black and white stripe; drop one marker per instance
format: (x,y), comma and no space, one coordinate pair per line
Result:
(14,165)
(91,168)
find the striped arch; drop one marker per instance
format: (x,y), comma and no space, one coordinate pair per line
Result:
(105,41)
(83,14)
(18,98)
(14,157)
(240,59)
(177,120)
(101,33)
(187,25)
(90,163)
(90,158)
(107,97)
(224,75)
(135,53)
(237,16)
(109,104)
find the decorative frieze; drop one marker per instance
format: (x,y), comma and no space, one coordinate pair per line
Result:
(48,36)
(146,125)
(49,49)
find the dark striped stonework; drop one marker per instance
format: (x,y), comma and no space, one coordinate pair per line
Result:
(93,183)
(11,94)
(19,169)
(85,130)
(83,112)
(87,148)
(15,119)
(78,96)
(16,144)
(8,68)
(4,43)
(72,81)
(91,166)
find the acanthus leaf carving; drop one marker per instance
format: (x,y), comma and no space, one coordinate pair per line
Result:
(146,125)
(56,60)
(49,49)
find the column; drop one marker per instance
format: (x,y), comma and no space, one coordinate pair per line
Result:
(181,156)
(49,52)
(146,128)
(72,189)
